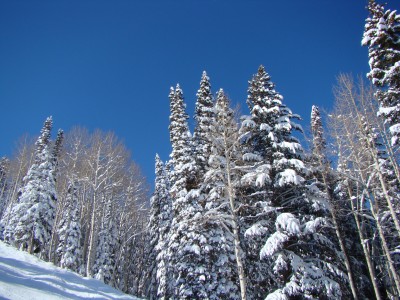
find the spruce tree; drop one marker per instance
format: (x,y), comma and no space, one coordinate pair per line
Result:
(103,267)
(158,227)
(382,36)
(203,115)
(69,249)
(4,162)
(4,166)
(57,148)
(32,218)
(161,196)
(287,225)
(271,155)
(187,239)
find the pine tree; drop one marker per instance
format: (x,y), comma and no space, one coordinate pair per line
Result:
(4,162)
(187,240)
(4,165)
(382,36)
(180,137)
(107,241)
(281,208)
(57,148)
(159,226)
(270,151)
(69,233)
(203,115)
(32,218)
(161,196)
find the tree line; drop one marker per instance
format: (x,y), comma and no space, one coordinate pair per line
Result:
(240,209)
(78,201)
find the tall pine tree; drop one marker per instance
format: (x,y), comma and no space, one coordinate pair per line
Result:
(103,267)
(204,114)
(69,233)
(187,240)
(382,36)
(286,227)
(32,218)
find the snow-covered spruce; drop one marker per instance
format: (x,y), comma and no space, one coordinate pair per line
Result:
(382,36)
(69,249)
(158,276)
(104,264)
(204,114)
(278,229)
(187,239)
(32,217)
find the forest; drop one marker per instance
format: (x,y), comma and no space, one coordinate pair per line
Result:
(247,206)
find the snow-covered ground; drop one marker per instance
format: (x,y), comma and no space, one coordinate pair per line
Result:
(23,276)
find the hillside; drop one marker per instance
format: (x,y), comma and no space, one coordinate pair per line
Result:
(23,276)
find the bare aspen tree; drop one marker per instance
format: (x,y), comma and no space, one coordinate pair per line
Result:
(19,164)
(224,175)
(355,127)
(325,171)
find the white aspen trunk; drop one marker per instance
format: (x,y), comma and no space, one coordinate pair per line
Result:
(367,255)
(92,240)
(373,151)
(386,250)
(346,258)
(335,224)
(52,257)
(238,251)
(12,197)
(386,194)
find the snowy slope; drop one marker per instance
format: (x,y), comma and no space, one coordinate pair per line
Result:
(23,276)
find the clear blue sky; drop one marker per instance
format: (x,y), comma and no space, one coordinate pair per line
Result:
(110,64)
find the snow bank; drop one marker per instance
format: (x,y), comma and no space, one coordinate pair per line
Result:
(24,276)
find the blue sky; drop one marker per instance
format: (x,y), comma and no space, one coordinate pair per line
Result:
(110,64)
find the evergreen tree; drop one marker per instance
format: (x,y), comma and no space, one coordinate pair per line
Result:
(159,226)
(272,155)
(180,137)
(4,162)
(103,267)
(164,225)
(382,36)
(187,239)
(69,233)
(296,258)
(32,218)
(4,165)
(203,115)
(57,149)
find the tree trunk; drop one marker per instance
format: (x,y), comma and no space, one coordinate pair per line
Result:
(238,251)
(386,250)
(370,265)
(333,212)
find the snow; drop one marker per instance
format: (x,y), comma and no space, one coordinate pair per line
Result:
(289,176)
(288,223)
(24,276)
(273,244)
(277,295)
